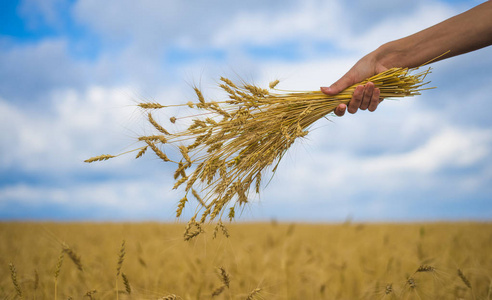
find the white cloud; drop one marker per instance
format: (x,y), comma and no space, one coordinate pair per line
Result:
(396,26)
(408,146)
(40,12)
(450,147)
(29,71)
(303,22)
(67,130)
(160,23)
(110,200)
(340,174)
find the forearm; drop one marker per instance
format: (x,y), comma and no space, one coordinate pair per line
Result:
(460,34)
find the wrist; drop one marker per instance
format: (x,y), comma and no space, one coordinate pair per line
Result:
(388,55)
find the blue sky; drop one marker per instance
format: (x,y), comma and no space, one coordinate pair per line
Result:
(72,71)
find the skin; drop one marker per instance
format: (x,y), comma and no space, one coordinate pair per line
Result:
(460,34)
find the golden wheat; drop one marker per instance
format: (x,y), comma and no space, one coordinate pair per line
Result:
(222,227)
(218,291)
(73,256)
(224,277)
(170,297)
(126,282)
(36,279)
(231,143)
(284,261)
(99,158)
(57,271)
(121,258)
(13,276)
(425,268)
(119,264)
(388,289)
(59,264)
(91,294)
(254,293)
(464,279)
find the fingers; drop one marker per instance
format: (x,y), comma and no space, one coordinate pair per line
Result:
(367,98)
(339,86)
(354,104)
(375,100)
(340,110)
(364,97)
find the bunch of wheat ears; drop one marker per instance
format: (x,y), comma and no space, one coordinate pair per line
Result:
(223,155)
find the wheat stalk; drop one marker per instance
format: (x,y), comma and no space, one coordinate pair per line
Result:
(13,276)
(126,282)
(218,291)
(388,289)
(224,277)
(90,294)
(411,282)
(252,295)
(170,297)
(36,280)
(121,258)
(464,279)
(193,228)
(57,271)
(221,226)
(99,158)
(73,256)
(119,264)
(425,268)
(231,144)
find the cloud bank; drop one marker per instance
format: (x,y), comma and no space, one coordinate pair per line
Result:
(71,73)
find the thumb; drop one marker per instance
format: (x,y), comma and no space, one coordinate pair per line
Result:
(338,86)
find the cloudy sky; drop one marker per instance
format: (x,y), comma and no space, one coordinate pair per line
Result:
(71,73)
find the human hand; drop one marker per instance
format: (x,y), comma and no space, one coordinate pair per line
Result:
(365,96)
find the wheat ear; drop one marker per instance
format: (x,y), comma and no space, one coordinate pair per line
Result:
(99,158)
(57,271)
(252,295)
(126,282)
(74,257)
(464,279)
(13,276)
(119,264)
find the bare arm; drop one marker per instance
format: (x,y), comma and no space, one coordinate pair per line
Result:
(460,34)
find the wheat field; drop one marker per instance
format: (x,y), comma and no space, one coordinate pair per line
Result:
(256,261)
